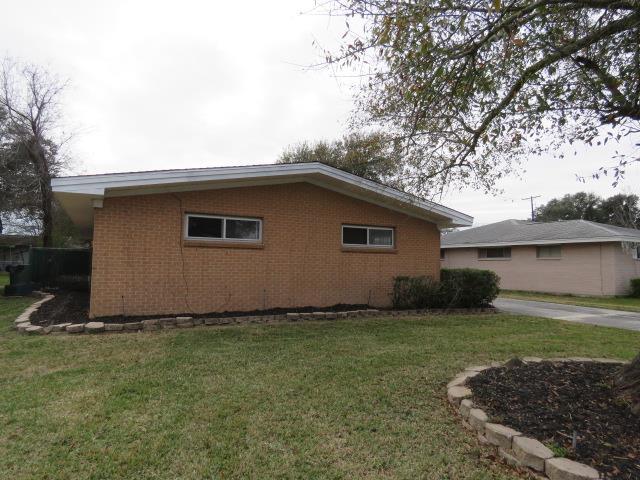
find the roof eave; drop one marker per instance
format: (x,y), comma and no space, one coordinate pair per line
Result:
(78,193)
(544,242)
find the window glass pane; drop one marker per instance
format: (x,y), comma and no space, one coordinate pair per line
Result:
(442,254)
(380,237)
(243,229)
(354,236)
(204,227)
(551,251)
(494,252)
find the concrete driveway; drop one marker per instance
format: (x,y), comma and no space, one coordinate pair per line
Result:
(571,313)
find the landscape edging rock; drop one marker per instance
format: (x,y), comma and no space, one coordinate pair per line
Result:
(511,446)
(21,323)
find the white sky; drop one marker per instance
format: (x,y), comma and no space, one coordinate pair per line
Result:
(158,84)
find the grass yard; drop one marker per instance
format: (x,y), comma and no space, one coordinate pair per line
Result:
(4,279)
(345,399)
(628,304)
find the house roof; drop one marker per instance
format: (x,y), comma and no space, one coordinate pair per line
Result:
(78,195)
(523,232)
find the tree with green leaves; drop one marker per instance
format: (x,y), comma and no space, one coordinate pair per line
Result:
(577,206)
(374,156)
(621,209)
(474,87)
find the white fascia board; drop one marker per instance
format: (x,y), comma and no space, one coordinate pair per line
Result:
(144,182)
(543,242)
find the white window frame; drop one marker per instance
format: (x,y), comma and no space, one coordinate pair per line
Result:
(224,238)
(368,245)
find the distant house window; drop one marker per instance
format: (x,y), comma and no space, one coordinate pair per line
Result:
(442,253)
(360,236)
(549,251)
(494,253)
(213,227)
(635,253)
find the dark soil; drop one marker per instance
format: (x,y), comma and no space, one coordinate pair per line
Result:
(73,307)
(66,306)
(553,401)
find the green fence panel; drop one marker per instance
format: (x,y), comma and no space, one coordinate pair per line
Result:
(60,267)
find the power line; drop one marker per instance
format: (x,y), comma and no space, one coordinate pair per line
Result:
(532,211)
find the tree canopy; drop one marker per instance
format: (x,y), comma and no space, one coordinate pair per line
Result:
(474,87)
(30,147)
(621,209)
(374,156)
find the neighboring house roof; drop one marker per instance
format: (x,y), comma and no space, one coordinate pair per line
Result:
(523,232)
(78,195)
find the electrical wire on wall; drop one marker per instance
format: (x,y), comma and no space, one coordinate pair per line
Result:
(180,244)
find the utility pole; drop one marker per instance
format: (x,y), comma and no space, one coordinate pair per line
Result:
(532,211)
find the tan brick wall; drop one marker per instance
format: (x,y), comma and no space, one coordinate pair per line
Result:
(584,269)
(141,265)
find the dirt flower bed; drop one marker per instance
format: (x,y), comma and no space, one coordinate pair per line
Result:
(65,306)
(568,406)
(73,307)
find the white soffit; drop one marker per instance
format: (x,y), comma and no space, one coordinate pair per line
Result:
(78,194)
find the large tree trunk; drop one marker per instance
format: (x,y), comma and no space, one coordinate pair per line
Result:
(627,383)
(39,159)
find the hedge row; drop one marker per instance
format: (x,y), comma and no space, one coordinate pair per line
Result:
(457,288)
(635,287)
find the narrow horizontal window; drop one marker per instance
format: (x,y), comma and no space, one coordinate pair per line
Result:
(549,251)
(494,253)
(355,235)
(213,227)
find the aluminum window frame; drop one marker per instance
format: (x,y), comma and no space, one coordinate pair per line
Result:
(224,219)
(368,245)
(539,257)
(487,258)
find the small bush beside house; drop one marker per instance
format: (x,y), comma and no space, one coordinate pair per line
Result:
(635,287)
(457,288)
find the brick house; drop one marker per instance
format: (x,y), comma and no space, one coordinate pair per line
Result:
(249,238)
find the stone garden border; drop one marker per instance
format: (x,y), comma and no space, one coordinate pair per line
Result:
(23,325)
(510,445)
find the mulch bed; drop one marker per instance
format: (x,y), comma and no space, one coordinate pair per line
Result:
(550,401)
(73,307)
(66,306)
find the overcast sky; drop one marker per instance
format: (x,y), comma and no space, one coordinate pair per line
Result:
(157,84)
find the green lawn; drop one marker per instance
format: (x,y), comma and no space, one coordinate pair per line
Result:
(614,303)
(4,279)
(344,399)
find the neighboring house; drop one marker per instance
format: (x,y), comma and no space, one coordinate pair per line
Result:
(571,256)
(14,249)
(249,238)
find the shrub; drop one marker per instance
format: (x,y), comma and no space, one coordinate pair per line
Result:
(469,287)
(464,287)
(635,287)
(415,292)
